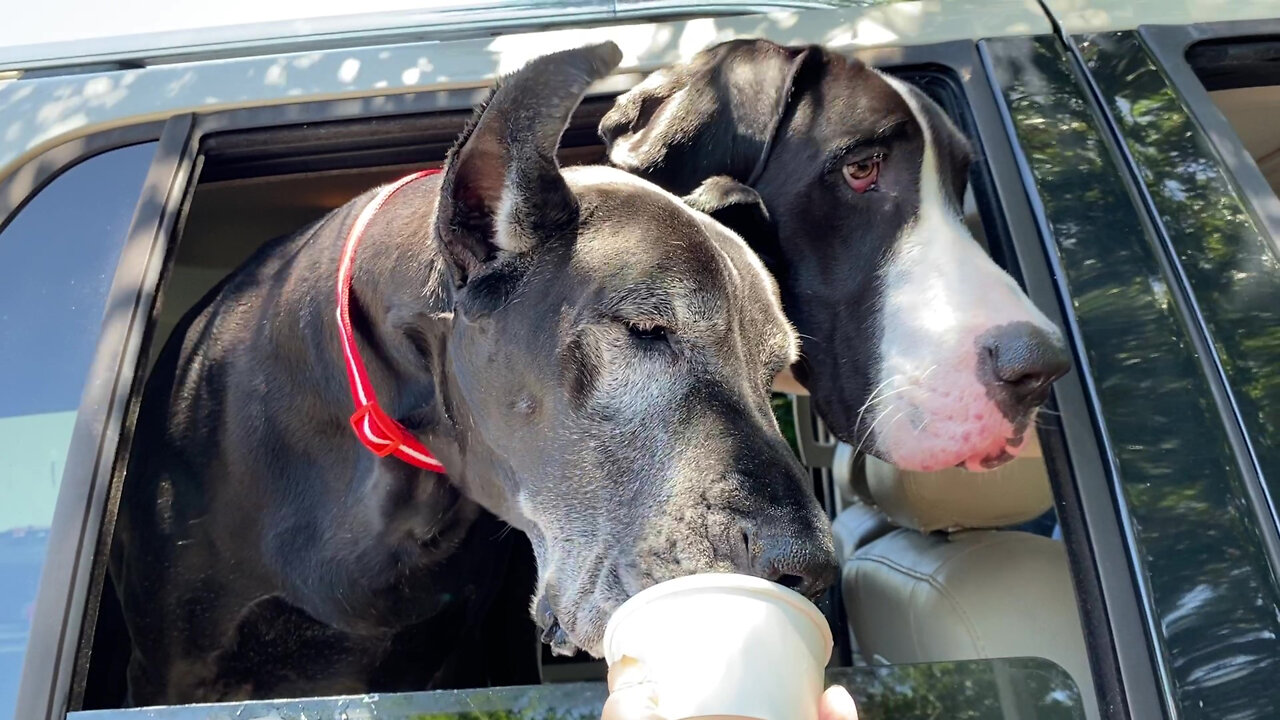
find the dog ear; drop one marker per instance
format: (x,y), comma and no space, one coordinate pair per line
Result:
(741,209)
(718,113)
(502,189)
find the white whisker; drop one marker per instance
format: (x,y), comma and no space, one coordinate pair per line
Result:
(867,434)
(871,399)
(895,419)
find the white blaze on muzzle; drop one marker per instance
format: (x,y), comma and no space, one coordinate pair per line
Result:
(941,292)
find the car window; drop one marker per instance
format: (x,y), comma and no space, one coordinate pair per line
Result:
(1023,688)
(1230,262)
(1208,586)
(59,254)
(240,201)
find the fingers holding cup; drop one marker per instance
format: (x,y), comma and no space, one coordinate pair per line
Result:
(837,704)
(632,694)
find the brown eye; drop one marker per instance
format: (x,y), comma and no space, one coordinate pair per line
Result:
(862,175)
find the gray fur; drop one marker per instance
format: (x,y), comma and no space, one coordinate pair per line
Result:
(509,315)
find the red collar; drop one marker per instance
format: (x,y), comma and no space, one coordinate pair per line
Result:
(376,430)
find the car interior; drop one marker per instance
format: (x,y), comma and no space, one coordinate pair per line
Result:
(1241,78)
(1252,112)
(936,566)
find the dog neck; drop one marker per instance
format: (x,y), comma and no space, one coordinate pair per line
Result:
(402,299)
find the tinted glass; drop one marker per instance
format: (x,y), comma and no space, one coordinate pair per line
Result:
(1201,562)
(59,256)
(1023,688)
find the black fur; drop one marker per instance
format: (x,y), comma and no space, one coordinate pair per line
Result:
(895,301)
(822,242)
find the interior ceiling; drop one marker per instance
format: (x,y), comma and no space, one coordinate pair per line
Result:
(230,219)
(1255,114)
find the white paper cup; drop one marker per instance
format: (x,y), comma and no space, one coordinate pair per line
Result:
(725,646)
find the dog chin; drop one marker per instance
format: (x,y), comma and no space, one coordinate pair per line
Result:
(581,630)
(941,460)
(973,440)
(985,461)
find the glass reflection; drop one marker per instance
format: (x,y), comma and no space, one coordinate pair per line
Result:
(1023,688)
(1212,592)
(59,252)
(1230,267)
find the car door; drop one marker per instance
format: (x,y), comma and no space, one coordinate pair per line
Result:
(371,110)
(1181,274)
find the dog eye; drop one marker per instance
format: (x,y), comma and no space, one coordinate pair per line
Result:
(646,331)
(862,174)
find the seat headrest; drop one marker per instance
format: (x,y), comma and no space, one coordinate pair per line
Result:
(956,499)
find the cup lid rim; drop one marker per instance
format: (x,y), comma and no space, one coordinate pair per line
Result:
(722,581)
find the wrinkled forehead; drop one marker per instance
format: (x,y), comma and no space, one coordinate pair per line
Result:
(634,236)
(858,103)
(944,142)
(637,238)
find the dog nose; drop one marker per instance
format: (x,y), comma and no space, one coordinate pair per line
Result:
(805,565)
(1024,361)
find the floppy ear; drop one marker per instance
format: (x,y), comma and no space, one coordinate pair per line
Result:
(742,210)
(502,189)
(716,114)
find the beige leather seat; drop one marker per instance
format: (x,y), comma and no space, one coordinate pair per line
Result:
(926,577)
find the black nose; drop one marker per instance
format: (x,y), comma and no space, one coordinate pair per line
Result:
(806,565)
(1023,361)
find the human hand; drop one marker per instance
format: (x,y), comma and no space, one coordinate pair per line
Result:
(633,697)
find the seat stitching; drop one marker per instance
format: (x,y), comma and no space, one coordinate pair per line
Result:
(942,590)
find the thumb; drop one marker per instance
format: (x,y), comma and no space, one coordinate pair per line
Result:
(632,695)
(837,704)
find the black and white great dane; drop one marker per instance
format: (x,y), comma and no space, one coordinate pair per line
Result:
(849,183)
(589,358)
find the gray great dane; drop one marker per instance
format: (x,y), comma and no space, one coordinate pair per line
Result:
(849,184)
(588,357)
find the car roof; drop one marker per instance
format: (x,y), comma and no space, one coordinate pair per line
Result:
(41,109)
(1085,16)
(145,30)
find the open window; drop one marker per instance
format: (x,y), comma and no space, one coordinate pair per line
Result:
(923,579)
(257,184)
(1242,77)
(256,174)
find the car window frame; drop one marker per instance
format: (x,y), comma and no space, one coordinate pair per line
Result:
(27,178)
(1249,187)
(1169,45)
(1122,661)
(1152,65)
(987,688)
(1175,655)
(81,488)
